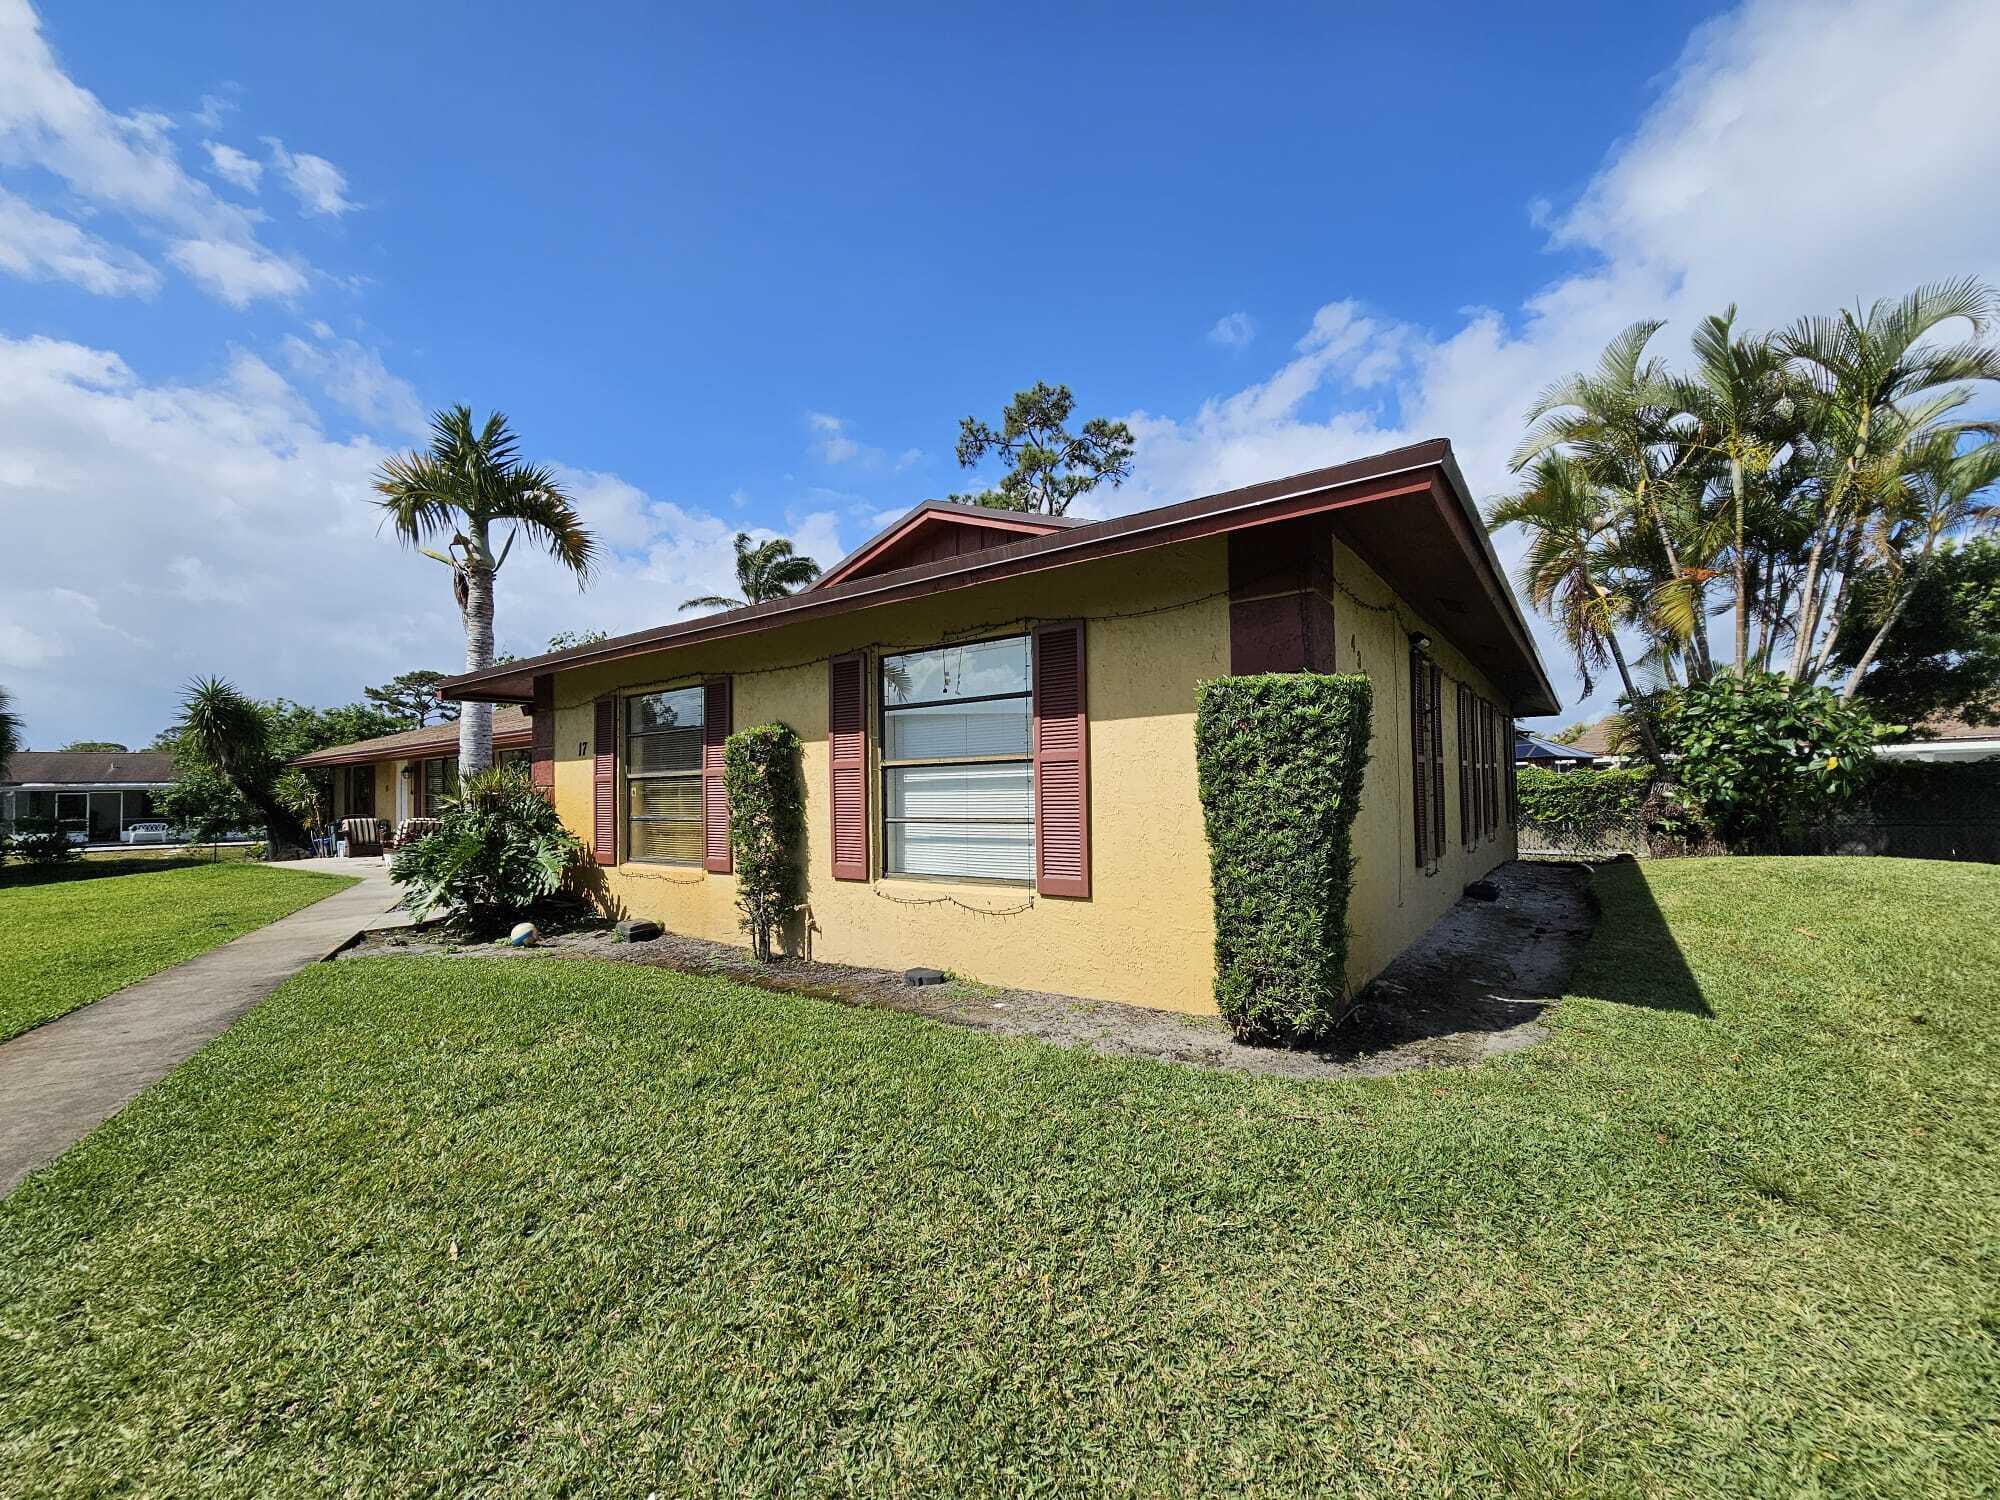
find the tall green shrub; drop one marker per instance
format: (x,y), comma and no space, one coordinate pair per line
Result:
(1280,759)
(1758,753)
(767,826)
(498,850)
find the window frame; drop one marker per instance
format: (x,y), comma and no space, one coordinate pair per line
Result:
(694,774)
(884,765)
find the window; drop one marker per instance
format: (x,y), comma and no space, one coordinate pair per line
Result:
(958,784)
(360,791)
(663,777)
(520,762)
(440,784)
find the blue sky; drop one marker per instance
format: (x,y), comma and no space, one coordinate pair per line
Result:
(750,269)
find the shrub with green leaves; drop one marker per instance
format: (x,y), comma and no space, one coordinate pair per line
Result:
(1281,758)
(39,842)
(1583,812)
(767,825)
(499,849)
(1759,753)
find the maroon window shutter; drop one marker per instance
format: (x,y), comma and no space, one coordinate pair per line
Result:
(1478,827)
(1489,765)
(1464,764)
(1062,763)
(847,756)
(1420,742)
(1437,759)
(604,782)
(715,728)
(544,753)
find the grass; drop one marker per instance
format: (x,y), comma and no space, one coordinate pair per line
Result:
(98,926)
(425,1226)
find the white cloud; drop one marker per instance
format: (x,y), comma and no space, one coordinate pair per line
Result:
(834,443)
(355,379)
(317,183)
(218,527)
(125,163)
(1799,157)
(234,166)
(40,247)
(213,110)
(1233,330)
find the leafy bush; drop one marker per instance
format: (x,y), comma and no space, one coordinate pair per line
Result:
(1582,812)
(1281,758)
(498,850)
(39,842)
(767,825)
(1758,752)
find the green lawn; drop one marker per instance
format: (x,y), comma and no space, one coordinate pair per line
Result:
(445,1227)
(67,941)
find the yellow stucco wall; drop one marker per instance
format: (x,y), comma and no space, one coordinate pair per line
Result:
(1146,934)
(1394,901)
(1157,625)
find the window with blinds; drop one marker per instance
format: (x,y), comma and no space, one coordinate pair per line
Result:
(663,795)
(958,796)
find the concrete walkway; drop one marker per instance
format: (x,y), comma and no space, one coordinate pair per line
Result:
(62,1080)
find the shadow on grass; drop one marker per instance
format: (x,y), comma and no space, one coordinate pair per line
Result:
(98,867)
(1634,958)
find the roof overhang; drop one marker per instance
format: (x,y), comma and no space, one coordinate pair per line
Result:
(931,516)
(1407,513)
(363,754)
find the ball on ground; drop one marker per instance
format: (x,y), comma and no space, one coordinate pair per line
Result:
(523,935)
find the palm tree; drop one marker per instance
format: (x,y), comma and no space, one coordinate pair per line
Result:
(769,570)
(1624,425)
(1880,392)
(1746,412)
(466,483)
(1944,497)
(10,730)
(222,728)
(1567,517)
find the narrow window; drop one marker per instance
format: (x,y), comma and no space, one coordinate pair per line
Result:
(663,803)
(957,770)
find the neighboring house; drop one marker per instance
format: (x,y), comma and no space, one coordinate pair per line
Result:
(1550,755)
(95,793)
(1946,737)
(410,773)
(998,716)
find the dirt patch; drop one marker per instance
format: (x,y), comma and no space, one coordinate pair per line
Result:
(1474,986)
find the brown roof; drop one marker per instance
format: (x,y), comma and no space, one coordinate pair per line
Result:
(89,768)
(1952,727)
(1596,740)
(991,526)
(1406,512)
(511,730)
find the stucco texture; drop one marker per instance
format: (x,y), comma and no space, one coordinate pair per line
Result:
(1145,935)
(1157,624)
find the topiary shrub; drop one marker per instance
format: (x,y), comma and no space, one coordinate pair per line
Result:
(767,826)
(498,850)
(1583,812)
(1280,759)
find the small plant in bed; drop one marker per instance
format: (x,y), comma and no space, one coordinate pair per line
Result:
(499,853)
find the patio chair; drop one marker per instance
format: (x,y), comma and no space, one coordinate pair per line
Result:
(362,835)
(413,829)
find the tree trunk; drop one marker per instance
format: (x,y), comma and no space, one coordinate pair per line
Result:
(1874,646)
(475,721)
(1640,717)
(284,835)
(1742,570)
(1850,555)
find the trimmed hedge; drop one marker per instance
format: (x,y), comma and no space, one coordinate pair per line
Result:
(767,827)
(1280,758)
(1584,811)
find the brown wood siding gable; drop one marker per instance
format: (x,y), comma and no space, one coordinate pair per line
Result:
(1062,762)
(847,762)
(604,781)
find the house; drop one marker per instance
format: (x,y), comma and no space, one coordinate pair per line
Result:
(1550,755)
(408,774)
(998,716)
(1946,737)
(95,793)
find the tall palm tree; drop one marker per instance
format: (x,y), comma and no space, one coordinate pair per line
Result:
(1945,496)
(1746,412)
(768,570)
(218,725)
(1881,390)
(10,730)
(1566,516)
(460,488)
(1625,426)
